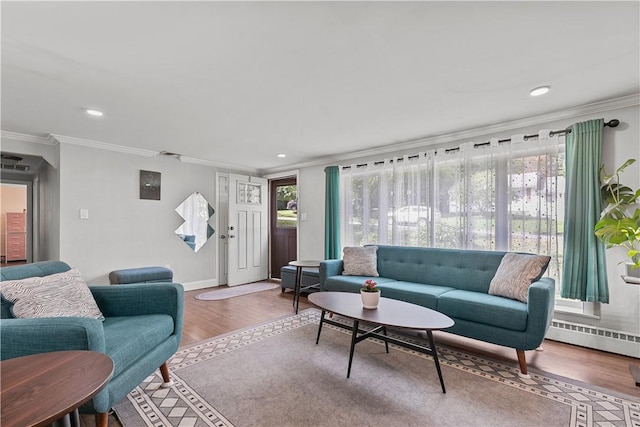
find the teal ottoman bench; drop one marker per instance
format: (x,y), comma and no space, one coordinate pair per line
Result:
(141,275)
(310,277)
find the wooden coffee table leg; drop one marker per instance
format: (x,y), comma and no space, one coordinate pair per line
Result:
(354,335)
(434,354)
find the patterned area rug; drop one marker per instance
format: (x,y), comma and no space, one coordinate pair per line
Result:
(274,375)
(236,291)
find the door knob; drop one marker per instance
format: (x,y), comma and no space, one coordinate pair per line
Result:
(222,236)
(231,236)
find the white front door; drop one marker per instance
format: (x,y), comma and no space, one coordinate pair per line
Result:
(247,231)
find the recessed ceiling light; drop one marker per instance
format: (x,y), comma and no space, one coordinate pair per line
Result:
(94,113)
(539,91)
(282,155)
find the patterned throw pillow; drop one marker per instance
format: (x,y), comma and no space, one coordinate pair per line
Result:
(515,274)
(57,295)
(360,261)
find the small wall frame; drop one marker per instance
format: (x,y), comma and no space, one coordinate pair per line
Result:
(149,185)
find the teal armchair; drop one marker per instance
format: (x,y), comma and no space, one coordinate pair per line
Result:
(141,331)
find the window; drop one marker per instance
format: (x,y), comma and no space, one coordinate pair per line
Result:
(507,197)
(287,206)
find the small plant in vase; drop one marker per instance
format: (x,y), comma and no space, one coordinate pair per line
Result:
(370,294)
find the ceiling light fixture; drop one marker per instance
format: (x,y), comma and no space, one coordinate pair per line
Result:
(282,155)
(540,91)
(94,112)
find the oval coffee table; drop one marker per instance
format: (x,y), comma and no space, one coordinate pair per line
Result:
(390,312)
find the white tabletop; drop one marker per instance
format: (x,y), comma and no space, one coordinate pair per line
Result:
(305,263)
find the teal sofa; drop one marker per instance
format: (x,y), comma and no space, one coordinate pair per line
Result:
(456,283)
(141,331)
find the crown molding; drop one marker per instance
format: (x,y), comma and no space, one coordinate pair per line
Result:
(220,165)
(55,140)
(568,113)
(23,137)
(103,145)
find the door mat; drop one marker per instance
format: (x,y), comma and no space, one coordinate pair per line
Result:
(236,291)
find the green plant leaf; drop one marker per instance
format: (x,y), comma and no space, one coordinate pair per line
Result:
(625,165)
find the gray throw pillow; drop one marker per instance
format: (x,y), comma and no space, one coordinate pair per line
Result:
(515,274)
(360,261)
(57,295)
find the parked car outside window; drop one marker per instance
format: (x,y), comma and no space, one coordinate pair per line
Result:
(411,215)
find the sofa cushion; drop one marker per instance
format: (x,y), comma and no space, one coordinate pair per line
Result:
(125,343)
(350,283)
(360,261)
(58,295)
(456,268)
(416,293)
(483,308)
(515,274)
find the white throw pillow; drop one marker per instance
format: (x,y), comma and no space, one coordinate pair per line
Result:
(515,274)
(57,295)
(360,261)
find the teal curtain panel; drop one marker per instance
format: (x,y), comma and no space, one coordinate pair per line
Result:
(332,213)
(585,270)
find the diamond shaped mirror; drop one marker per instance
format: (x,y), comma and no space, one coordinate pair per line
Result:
(195,231)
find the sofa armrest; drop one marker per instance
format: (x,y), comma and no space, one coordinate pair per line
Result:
(140,299)
(541,302)
(23,337)
(328,268)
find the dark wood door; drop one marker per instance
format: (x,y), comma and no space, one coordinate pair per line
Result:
(284,223)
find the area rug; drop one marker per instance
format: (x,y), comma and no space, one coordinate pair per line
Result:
(236,291)
(275,375)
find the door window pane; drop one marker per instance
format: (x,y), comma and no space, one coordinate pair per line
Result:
(287,206)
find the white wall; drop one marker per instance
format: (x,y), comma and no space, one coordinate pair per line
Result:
(124,231)
(622,314)
(311,183)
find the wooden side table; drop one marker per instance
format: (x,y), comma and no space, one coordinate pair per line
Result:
(299,265)
(42,388)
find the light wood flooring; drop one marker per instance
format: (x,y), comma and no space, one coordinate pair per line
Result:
(205,319)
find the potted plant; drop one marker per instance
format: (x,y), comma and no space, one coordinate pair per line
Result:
(619,223)
(370,294)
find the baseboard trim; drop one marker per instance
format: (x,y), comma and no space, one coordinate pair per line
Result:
(201,284)
(594,337)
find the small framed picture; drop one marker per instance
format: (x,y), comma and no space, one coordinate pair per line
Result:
(149,185)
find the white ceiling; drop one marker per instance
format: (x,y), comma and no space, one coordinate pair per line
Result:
(238,82)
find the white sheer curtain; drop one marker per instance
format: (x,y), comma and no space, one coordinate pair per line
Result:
(388,202)
(488,196)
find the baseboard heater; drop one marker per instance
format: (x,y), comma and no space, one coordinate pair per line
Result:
(594,337)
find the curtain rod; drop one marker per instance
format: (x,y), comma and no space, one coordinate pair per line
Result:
(611,123)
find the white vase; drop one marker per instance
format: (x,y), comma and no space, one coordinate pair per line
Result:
(370,300)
